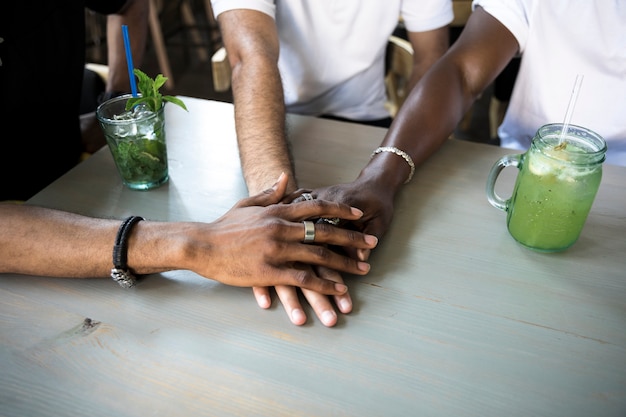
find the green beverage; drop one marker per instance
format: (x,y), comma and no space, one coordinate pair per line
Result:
(136,139)
(551,201)
(141,162)
(555,188)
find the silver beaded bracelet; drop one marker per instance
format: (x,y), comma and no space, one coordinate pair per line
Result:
(398,152)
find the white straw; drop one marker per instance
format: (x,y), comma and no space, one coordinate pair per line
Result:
(570,106)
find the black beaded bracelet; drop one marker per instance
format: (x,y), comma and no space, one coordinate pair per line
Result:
(120,273)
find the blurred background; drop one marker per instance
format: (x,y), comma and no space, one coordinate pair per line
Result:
(184,35)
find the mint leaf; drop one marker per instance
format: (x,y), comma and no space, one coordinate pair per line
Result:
(150,95)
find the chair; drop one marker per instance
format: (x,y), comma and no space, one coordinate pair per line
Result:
(182,12)
(189,21)
(90,129)
(221,70)
(398,73)
(399,67)
(100,69)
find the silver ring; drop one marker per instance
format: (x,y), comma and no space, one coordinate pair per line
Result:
(309,231)
(307,196)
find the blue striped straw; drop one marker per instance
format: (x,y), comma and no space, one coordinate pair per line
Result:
(129,61)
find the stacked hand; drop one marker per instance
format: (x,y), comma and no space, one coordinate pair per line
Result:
(377,205)
(271,238)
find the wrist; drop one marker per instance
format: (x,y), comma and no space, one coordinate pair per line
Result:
(121,273)
(186,246)
(399,152)
(386,171)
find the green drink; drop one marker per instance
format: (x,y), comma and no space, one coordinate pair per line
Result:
(555,188)
(142,163)
(136,139)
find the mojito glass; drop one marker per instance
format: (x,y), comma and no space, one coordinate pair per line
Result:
(136,139)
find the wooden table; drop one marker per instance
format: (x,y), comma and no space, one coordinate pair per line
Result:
(455,318)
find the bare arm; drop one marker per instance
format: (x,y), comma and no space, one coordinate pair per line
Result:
(251,40)
(257,242)
(438,102)
(429,115)
(135,16)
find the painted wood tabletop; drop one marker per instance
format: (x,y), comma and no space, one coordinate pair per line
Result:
(454,319)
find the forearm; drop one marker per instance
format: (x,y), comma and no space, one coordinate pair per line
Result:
(260,125)
(427,118)
(256,243)
(135,16)
(251,39)
(414,131)
(46,242)
(439,100)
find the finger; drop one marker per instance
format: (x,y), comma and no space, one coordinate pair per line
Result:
(309,209)
(262,296)
(374,227)
(358,254)
(343,301)
(319,254)
(321,303)
(288,296)
(322,306)
(322,256)
(269,196)
(328,234)
(296,196)
(363,254)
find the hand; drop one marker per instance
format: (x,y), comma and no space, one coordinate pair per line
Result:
(374,199)
(377,203)
(259,243)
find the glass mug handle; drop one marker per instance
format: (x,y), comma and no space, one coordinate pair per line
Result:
(495,200)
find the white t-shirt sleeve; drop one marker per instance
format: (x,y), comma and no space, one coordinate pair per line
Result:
(514,14)
(266,6)
(424,15)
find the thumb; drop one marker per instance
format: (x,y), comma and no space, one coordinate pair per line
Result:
(271,195)
(373,227)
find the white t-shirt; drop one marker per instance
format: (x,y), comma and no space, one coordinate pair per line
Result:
(332,53)
(560,39)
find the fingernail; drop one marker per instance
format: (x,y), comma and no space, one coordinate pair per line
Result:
(356,211)
(371,239)
(329,317)
(345,305)
(264,301)
(275,186)
(363,266)
(342,288)
(298,316)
